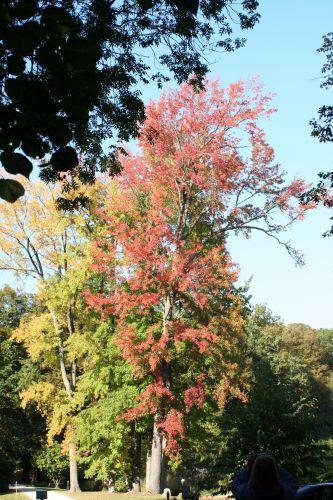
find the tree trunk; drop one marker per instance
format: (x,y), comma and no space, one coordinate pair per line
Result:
(136,461)
(164,466)
(73,475)
(157,469)
(148,463)
(69,382)
(158,459)
(136,485)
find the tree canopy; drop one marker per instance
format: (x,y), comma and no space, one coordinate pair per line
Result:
(54,253)
(70,71)
(289,396)
(20,431)
(139,346)
(203,171)
(322,128)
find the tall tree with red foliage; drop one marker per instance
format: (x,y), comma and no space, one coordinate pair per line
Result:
(204,170)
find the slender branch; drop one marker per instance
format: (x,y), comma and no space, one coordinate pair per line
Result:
(39,264)
(71,330)
(296,255)
(29,272)
(27,249)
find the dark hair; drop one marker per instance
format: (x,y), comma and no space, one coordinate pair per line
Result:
(265,475)
(252,459)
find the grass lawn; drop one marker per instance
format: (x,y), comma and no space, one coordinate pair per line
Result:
(13,496)
(104,495)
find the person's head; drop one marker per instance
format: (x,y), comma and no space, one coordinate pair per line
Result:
(252,458)
(264,473)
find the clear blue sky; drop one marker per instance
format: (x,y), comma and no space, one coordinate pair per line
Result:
(282,50)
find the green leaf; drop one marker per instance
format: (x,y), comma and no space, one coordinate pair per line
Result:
(15,88)
(5,16)
(25,9)
(64,159)
(10,190)
(191,6)
(15,65)
(145,4)
(34,147)
(57,19)
(16,163)
(59,132)
(23,39)
(2,73)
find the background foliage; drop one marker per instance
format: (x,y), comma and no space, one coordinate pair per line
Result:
(70,70)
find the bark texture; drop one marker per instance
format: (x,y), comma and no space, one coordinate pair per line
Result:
(73,475)
(157,468)
(136,464)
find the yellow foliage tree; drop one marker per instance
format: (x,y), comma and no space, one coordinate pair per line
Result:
(50,246)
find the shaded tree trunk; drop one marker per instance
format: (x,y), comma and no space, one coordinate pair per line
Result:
(136,461)
(148,463)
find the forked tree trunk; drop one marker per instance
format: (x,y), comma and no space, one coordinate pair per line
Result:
(157,469)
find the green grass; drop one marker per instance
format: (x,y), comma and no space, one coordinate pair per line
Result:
(13,496)
(104,495)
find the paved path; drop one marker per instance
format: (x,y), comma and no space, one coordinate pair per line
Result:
(30,492)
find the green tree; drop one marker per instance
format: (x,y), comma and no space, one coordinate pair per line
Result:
(285,413)
(19,430)
(281,414)
(109,446)
(55,254)
(70,71)
(82,378)
(51,461)
(14,304)
(316,347)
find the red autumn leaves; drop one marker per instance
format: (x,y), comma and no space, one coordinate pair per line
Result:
(203,169)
